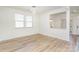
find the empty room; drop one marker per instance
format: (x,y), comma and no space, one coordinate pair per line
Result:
(35,29)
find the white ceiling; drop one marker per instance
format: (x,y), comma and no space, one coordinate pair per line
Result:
(38,9)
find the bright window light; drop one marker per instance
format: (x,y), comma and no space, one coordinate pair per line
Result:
(28,21)
(23,21)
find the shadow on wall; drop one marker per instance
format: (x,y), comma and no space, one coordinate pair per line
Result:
(4,37)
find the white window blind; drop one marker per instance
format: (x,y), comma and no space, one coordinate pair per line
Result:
(23,21)
(19,18)
(28,21)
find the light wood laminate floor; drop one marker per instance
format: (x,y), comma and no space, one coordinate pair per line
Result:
(75,41)
(34,43)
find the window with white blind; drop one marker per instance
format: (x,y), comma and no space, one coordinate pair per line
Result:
(28,21)
(23,21)
(19,18)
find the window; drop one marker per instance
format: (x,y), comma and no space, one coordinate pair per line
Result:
(23,21)
(19,20)
(28,20)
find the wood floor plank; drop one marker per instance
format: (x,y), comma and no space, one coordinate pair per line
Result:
(34,43)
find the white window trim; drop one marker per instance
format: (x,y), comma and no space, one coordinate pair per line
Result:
(24,22)
(27,21)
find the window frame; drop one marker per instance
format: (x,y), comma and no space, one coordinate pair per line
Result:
(24,21)
(28,21)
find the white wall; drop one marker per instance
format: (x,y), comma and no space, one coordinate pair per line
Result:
(40,24)
(58,33)
(7,24)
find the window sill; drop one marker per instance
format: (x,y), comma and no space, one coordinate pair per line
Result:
(23,27)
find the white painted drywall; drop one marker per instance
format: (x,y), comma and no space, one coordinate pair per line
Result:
(7,24)
(58,33)
(40,24)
